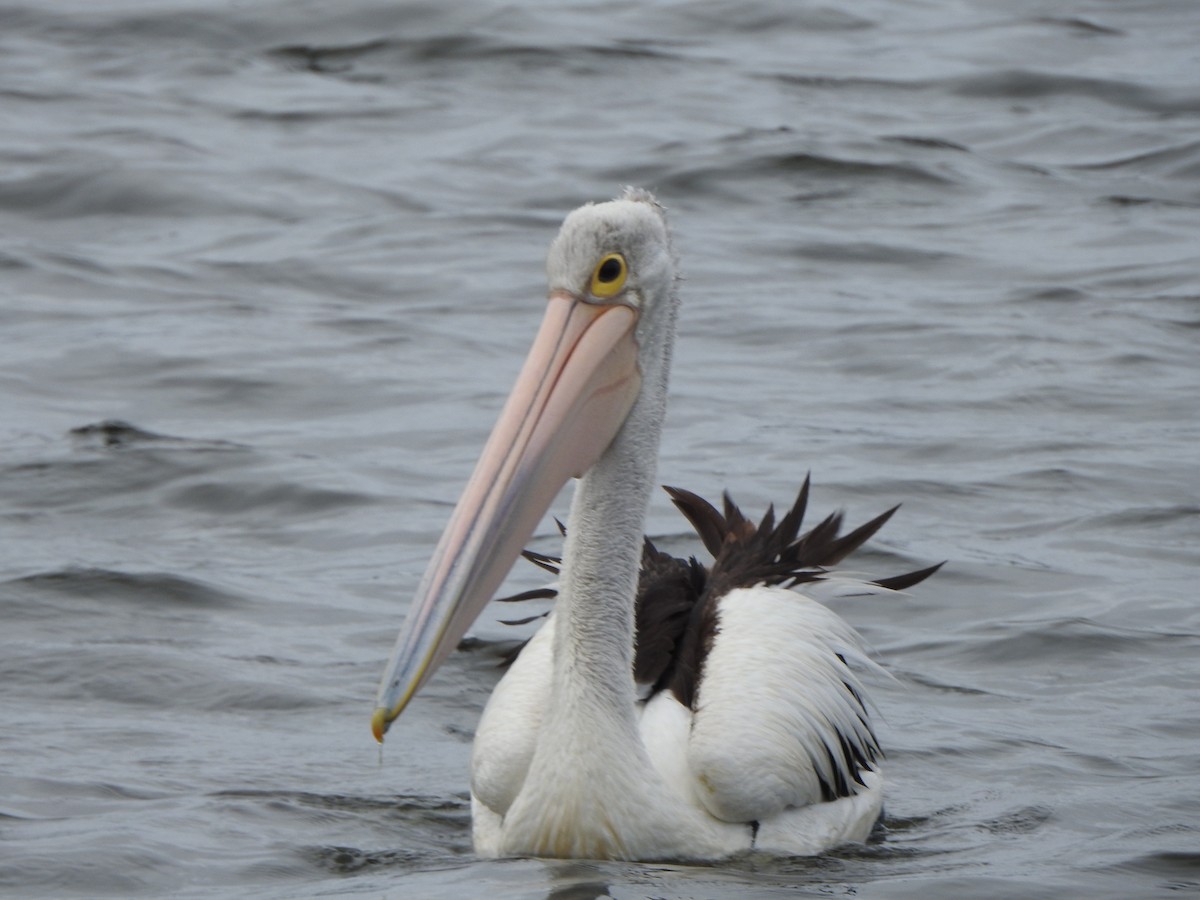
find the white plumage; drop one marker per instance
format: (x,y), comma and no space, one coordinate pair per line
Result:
(772,701)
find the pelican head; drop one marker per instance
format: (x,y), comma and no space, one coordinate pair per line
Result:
(599,359)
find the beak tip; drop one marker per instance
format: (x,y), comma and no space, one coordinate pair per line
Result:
(379,723)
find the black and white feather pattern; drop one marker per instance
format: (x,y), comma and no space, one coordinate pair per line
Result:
(684,606)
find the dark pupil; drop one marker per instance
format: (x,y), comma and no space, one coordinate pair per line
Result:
(610,271)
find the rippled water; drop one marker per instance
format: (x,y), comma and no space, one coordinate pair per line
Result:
(268,269)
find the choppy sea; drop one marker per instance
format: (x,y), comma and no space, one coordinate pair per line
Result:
(267,270)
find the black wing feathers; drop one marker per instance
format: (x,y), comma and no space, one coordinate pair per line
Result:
(904,582)
(677,598)
(677,601)
(667,592)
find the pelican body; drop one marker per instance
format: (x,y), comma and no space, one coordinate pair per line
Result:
(739,721)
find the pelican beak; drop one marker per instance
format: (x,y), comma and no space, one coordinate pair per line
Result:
(574,392)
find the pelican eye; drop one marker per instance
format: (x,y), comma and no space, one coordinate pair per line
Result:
(609,275)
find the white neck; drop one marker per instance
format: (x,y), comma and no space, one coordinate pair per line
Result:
(593,651)
(590,777)
(595,613)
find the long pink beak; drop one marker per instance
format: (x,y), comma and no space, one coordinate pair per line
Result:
(577,386)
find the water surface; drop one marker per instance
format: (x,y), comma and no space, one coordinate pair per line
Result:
(267,271)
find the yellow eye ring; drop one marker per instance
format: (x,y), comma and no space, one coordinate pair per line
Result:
(609,276)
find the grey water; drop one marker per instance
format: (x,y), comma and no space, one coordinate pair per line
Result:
(267,270)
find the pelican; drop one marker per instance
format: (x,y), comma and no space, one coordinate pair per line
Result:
(739,722)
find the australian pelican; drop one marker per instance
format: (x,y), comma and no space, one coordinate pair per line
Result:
(666,709)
